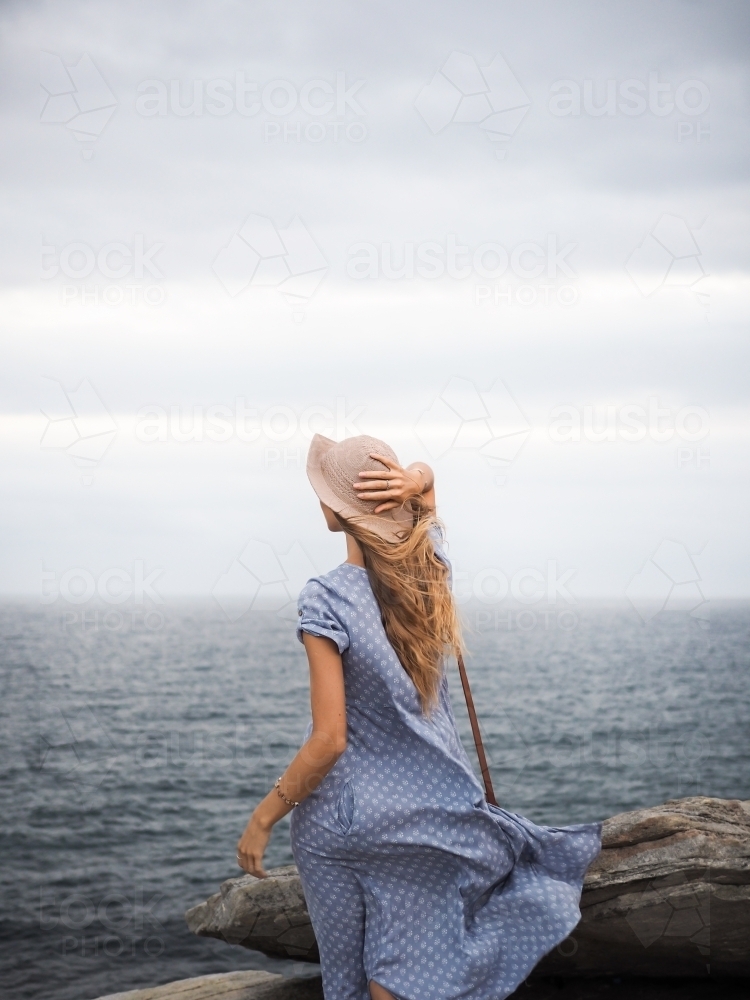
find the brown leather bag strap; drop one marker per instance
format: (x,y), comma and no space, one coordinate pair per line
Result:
(483,766)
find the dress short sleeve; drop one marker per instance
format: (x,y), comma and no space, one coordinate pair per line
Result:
(316,615)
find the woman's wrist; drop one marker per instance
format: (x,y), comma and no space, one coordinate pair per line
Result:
(269,811)
(262,820)
(421,476)
(414,476)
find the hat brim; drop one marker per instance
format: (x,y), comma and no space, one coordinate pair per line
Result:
(392,524)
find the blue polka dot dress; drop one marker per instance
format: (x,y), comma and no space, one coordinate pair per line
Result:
(411,879)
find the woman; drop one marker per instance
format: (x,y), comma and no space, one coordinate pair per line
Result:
(416,887)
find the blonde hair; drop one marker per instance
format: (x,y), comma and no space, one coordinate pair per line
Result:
(411,587)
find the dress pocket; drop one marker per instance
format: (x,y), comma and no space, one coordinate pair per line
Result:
(345,811)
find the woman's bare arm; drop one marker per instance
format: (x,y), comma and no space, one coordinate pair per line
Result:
(315,757)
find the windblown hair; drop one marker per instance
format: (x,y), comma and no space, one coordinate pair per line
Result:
(411,586)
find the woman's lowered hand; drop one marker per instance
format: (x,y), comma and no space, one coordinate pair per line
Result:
(252,847)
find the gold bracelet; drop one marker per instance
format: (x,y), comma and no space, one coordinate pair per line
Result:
(277,786)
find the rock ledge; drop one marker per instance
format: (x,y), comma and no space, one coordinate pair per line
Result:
(669,896)
(249,985)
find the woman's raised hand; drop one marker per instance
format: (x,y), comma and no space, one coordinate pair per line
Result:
(392,487)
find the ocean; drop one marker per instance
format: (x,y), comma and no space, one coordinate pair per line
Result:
(135,747)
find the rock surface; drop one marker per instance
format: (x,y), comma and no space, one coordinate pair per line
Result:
(668,896)
(268,915)
(243,986)
(248,985)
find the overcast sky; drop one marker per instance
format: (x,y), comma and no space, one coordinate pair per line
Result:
(501,236)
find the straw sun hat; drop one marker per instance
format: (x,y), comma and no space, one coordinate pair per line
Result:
(333,466)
